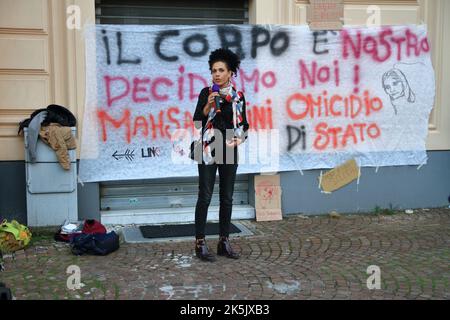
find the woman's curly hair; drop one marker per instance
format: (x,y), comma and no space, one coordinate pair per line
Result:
(225,55)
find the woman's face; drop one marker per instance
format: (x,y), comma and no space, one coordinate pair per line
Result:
(220,73)
(394,87)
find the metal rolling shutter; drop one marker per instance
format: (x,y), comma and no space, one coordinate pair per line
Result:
(172,192)
(163,193)
(171,12)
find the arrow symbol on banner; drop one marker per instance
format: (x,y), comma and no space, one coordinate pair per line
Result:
(129,155)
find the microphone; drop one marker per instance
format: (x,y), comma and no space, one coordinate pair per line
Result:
(216,88)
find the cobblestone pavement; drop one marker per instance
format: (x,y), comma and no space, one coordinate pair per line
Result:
(299,257)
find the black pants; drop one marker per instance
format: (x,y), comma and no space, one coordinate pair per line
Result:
(207,178)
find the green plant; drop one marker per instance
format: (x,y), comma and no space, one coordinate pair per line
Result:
(391,210)
(42,234)
(385,211)
(377,210)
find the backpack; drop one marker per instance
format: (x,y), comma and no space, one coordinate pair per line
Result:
(93,226)
(95,243)
(55,114)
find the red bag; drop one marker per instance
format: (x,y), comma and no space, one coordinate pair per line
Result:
(64,237)
(93,226)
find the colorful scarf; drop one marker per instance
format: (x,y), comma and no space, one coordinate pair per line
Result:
(236,98)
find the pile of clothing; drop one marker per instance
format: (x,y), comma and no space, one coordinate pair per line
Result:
(69,230)
(52,125)
(88,237)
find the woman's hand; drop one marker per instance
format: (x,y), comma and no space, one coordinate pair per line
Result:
(210,102)
(234,142)
(211,97)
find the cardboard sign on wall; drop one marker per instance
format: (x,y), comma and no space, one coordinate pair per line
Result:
(340,176)
(325,14)
(268,198)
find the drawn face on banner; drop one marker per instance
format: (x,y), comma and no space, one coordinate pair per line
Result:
(221,75)
(397,87)
(394,86)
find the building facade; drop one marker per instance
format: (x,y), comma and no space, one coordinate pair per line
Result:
(42,62)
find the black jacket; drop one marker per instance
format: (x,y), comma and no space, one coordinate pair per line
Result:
(55,114)
(222,121)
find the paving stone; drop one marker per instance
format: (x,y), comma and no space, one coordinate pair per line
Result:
(314,257)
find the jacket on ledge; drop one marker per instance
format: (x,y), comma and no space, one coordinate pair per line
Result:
(60,139)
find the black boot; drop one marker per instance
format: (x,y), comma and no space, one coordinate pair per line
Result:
(224,249)
(201,251)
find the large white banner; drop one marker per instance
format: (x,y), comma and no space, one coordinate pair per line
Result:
(314,99)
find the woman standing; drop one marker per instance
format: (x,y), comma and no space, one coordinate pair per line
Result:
(221,110)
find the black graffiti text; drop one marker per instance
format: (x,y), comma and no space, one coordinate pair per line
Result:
(151,152)
(120,58)
(295,136)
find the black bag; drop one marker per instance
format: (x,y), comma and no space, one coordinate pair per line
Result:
(97,243)
(196,152)
(55,114)
(5,293)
